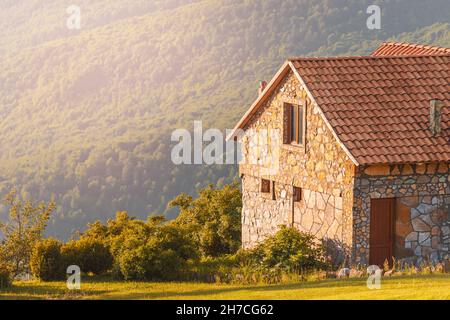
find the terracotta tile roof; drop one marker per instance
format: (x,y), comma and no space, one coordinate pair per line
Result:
(401,49)
(379,106)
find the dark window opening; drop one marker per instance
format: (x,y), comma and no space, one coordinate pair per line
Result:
(297,194)
(265,185)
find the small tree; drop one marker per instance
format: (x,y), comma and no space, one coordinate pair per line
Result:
(46,262)
(24,227)
(213,219)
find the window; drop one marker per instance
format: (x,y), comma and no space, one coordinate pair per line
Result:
(265,185)
(297,194)
(296,124)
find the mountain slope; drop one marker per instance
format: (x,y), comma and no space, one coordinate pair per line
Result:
(86,117)
(29,23)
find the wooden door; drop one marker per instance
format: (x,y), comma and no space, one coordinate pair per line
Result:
(381,231)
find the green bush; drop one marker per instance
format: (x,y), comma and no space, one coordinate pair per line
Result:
(213,219)
(5,276)
(151,263)
(288,250)
(133,263)
(163,256)
(91,255)
(46,261)
(171,254)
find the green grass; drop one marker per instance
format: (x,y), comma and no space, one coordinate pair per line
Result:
(405,287)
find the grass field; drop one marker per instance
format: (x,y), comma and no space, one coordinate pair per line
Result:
(407,287)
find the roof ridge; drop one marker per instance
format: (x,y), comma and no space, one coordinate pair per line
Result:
(293,59)
(416,45)
(400,48)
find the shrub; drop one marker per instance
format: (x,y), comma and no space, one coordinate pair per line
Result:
(46,261)
(288,250)
(163,255)
(287,256)
(5,276)
(125,232)
(213,219)
(163,262)
(90,254)
(133,263)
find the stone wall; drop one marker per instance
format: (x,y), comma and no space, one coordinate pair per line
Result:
(320,167)
(262,216)
(318,213)
(422,228)
(422,195)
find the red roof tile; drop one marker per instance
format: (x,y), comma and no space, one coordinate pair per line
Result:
(379,106)
(402,49)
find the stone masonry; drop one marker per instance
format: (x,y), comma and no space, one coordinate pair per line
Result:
(422,210)
(320,167)
(336,194)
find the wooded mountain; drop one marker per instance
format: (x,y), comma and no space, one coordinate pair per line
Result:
(86,115)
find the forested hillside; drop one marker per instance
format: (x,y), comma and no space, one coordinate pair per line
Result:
(86,115)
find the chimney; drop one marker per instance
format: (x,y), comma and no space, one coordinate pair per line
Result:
(262,86)
(435,116)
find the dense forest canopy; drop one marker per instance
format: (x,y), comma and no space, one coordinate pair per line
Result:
(86,115)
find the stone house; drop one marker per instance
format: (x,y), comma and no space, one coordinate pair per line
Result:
(356,151)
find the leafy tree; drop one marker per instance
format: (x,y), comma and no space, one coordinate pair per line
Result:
(96,230)
(213,219)
(91,255)
(46,260)
(116,231)
(24,227)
